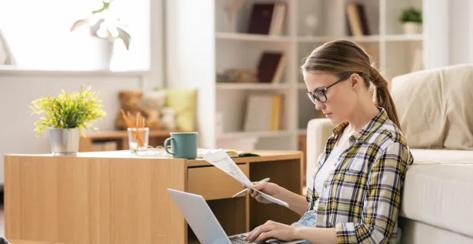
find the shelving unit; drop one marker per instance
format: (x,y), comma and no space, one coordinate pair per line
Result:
(224,44)
(252,86)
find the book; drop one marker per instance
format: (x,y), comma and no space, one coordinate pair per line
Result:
(258,113)
(356,19)
(238,154)
(277,20)
(277,77)
(276,113)
(271,67)
(363,19)
(260,18)
(263,113)
(232,153)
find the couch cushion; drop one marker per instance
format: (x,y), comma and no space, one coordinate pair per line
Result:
(440,193)
(458,104)
(437,156)
(433,107)
(418,97)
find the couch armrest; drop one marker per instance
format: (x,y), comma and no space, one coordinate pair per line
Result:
(318,131)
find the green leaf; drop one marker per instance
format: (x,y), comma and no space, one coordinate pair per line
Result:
(105,6)
(411,15)
(122,34)
(67,110)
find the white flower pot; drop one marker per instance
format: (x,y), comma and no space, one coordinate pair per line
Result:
(64,141)
(105,52)
(412,28)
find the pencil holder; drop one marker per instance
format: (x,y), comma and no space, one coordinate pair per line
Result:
(138,139)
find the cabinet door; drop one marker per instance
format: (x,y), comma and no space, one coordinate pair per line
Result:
(212,183)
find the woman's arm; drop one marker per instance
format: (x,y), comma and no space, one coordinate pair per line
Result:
(383,199)
(380,209)
(317,235)
(297,203)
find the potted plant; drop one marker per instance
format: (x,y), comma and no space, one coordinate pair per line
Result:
(64,116)
(411,19)
(107,28)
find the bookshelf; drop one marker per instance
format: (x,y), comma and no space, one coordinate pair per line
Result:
(223,43)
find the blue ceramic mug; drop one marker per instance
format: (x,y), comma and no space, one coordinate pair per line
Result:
(182,145)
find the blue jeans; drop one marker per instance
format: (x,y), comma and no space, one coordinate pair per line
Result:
(307,220)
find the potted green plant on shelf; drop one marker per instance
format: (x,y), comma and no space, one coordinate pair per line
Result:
(106,28)
(64,116)
(411,19)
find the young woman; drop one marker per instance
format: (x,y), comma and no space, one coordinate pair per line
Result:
(356,195)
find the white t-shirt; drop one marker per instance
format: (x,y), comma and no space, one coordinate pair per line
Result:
(331,162)
(326,168)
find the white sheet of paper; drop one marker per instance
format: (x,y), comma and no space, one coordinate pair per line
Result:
(221,160)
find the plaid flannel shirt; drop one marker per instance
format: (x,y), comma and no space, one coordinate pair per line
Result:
(361,197)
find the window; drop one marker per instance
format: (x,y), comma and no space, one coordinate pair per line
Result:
(39,36)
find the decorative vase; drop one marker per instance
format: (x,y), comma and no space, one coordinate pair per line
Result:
(412,28)
(105,53)
(64,141)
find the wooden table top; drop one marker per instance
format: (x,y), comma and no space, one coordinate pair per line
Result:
(33,242)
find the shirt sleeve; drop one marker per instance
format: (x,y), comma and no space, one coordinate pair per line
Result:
(383,199)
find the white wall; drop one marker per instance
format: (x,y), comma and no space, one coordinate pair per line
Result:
(448,29)
(190,58)
(154,78)
(18,90)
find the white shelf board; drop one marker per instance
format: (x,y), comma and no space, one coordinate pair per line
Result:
(14,70)
(404,37)
(229,135)
(312,39)
(250,37)
(252,86)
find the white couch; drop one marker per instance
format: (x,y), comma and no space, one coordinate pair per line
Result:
(437,205)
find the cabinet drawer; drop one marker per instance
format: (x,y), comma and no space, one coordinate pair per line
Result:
(213,183)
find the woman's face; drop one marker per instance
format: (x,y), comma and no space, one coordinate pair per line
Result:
(341,97)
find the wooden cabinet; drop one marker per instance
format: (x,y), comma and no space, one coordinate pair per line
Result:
(117,197)
(208,181)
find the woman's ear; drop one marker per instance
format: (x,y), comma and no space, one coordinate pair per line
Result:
(355,80)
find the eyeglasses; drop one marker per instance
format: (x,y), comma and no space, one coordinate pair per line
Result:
(320,93)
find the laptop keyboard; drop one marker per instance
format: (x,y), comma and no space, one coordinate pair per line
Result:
(239,239)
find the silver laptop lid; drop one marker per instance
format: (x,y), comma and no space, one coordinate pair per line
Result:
(200,217)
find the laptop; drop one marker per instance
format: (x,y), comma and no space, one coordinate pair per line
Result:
(204,223)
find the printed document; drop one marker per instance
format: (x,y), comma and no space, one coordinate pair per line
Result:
(221,160)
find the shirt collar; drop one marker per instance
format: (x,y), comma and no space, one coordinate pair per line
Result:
(367,129)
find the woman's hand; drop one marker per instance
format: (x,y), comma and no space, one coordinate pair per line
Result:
(269,188)
(272,229)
